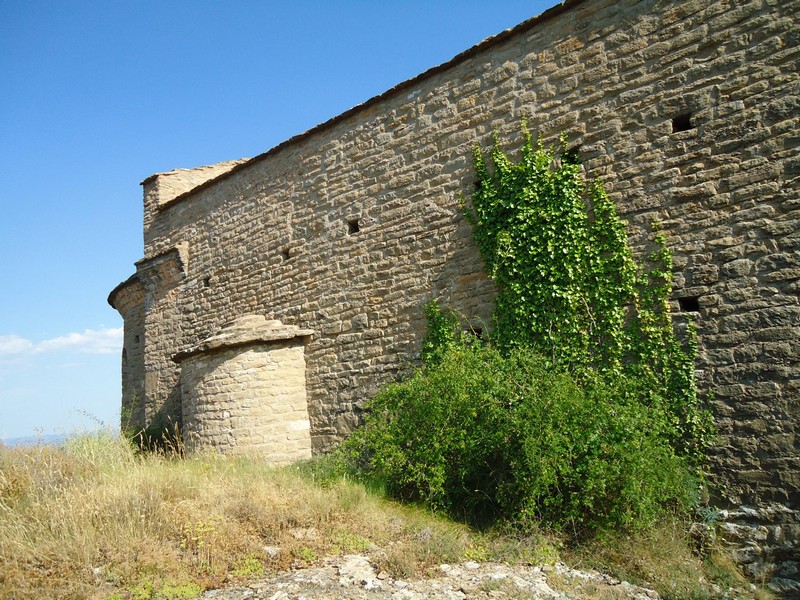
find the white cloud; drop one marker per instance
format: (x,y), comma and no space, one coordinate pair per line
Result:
(12,345)
(100,341)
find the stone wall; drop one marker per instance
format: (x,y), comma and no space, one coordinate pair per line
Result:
(129,300)
(688,110)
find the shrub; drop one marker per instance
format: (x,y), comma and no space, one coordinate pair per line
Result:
(487,437)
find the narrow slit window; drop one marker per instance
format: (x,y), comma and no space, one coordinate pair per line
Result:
(353,227)
(207,282)
(682,123)
(689,304)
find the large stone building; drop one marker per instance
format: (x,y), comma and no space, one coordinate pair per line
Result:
(276,293)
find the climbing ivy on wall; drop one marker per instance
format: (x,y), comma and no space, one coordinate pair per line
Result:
(564,273)
(570,289)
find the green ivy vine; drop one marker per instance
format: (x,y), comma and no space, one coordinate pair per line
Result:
(570,289)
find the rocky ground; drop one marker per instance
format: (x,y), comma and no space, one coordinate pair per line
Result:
(354,576)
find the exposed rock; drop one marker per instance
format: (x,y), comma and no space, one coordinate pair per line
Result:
(354,576)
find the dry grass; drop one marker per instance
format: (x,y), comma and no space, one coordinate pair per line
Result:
(667,559)
(95,519)
(98,520)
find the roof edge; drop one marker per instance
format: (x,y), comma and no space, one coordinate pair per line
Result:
(400,87)
(188,170)
(112,295)
(257,341)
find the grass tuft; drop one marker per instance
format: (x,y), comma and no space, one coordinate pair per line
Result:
(666,558)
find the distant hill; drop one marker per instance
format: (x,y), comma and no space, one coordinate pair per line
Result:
(52,439)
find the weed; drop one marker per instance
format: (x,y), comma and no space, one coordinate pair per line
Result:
(477,552)
(503,587)
(306,555)
(399,561)
(349,542)
(181,591)
(249,567)
(198,541)
(142,591)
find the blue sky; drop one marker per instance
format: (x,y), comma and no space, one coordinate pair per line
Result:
(97,95)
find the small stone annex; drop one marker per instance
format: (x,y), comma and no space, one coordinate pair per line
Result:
(277,293)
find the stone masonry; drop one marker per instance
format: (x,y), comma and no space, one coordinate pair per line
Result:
(689,111)
(244,390)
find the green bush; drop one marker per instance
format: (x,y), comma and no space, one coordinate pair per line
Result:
(486,437)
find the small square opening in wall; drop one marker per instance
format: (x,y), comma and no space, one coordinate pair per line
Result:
(285,254)
(572,156)
(689,304)
(682,123)
(352,226)
(477,332)
(207,282)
